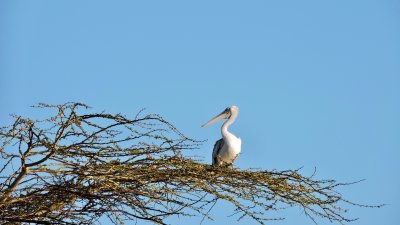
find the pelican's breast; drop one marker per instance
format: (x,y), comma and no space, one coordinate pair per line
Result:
(232,147)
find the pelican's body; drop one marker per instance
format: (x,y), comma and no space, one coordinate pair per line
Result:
(228,148)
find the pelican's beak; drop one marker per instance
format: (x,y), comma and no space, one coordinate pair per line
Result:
(224,115)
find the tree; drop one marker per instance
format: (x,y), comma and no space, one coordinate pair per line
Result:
(76,167)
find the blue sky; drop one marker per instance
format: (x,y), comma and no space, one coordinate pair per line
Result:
(317,82)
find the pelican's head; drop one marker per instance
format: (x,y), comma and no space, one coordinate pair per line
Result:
(226,114)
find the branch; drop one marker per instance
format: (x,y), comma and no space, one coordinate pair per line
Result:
(86,166)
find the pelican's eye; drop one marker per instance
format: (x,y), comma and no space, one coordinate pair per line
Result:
(229,113)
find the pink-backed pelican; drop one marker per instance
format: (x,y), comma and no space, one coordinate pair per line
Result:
(226,149)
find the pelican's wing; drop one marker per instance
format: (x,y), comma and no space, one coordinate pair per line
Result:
(217,148)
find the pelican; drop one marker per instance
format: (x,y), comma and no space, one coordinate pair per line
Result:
(226,149)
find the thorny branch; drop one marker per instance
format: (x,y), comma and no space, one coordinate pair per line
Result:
(74,168)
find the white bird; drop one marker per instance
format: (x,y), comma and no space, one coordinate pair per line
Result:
(226,149)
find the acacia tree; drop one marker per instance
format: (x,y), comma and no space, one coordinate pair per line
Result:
(77,166)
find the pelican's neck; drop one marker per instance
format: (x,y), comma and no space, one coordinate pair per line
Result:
(224,128)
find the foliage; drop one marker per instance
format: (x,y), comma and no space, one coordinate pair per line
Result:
(76,167)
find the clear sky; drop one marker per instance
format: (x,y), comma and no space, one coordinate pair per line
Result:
(317,82)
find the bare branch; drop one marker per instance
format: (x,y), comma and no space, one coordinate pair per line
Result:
(76,167)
